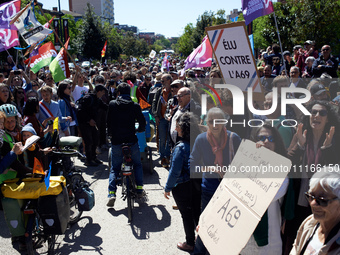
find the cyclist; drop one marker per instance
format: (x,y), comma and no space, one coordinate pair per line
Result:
(121,118)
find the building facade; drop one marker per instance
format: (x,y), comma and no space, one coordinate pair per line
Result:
(102,8)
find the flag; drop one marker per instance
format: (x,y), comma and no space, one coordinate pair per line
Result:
(165,63)
(253,9)
(104,49)
(152,54)
(59,66)
(8,33)
(56,124)
(47,178)
(42,56)
(47,24)
(37,167)
(30,28)
(143,104)
(201,56)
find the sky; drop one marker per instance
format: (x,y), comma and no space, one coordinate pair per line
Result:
(162,17)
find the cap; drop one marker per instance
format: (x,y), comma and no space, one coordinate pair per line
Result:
(177,82)
(286,53)
(296,47)
(317,89)
(29,128)
(309,42)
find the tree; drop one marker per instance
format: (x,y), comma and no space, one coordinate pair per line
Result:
(185,43)
(90,39)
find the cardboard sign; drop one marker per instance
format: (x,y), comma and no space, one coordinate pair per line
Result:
(233,54)
(241,199)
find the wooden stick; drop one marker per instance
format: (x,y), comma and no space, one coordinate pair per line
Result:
(19,14)
(61,43)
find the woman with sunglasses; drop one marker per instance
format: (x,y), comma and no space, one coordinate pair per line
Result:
(320,232)
(19,98)
(318,143)
(67,109)
(266,239)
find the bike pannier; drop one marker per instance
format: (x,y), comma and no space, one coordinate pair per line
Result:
(14,216)
(85,198)
(54,212)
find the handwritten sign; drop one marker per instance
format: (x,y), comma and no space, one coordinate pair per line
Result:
(30,141)
(234,56)
(241,199)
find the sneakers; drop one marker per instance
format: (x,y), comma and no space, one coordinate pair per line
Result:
(112,200)
(165,162)
(90,163)
(98,161)
(140,193)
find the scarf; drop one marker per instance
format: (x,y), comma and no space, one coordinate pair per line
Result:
(218,149)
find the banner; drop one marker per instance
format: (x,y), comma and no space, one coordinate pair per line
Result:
(165,62)
(104,49)
(253,9)
(242,198)
(152,54)
(65,28)
(234,57)
(29,27)
(57,31)
(59,66)
(8,33)
(201,56)
(43,56)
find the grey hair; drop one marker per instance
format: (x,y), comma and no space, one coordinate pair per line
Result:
(310,58)
(296,68)
(216,111)
(328,178)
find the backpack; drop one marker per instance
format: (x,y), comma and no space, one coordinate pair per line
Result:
(82,101)
(152,94)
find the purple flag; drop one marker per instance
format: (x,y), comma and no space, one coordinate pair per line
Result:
(201,56)
(253,9)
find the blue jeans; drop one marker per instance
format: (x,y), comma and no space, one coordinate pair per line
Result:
(199,246)
(164,138)
(117,160)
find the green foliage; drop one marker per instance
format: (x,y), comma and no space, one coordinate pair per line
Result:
(90,39)
(185,44)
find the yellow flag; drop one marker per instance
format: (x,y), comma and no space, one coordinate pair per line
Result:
(37,167)
(56,123)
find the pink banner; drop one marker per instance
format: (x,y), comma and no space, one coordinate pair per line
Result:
(8,39)
(201,56)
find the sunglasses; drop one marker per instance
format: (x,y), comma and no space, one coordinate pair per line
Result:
(264,138)
(174,86)
(319,200)
(49,79)
(322,113)
(68,87)
(20,92)
(325,49)
(183,95)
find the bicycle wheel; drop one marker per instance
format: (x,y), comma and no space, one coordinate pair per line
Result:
(51,242)
(28,235)
(74,183)
(129,198)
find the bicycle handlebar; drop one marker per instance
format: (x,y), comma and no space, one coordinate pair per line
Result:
(68,152)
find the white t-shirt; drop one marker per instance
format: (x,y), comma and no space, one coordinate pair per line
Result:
(78,92)
(314,245)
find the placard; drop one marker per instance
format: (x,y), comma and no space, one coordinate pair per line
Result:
(233,54)
(241,199)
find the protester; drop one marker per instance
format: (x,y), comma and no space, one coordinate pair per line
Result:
(320,232)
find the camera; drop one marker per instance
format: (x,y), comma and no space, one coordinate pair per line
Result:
(50,122)
(17,72)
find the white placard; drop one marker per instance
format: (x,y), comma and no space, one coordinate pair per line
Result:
(30,141)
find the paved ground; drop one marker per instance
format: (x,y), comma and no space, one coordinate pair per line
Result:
(156,227)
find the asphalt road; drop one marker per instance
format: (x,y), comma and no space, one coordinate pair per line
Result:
(156,227)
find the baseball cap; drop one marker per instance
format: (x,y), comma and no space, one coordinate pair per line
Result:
(317,89)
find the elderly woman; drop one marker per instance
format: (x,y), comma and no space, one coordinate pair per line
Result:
(266,238)
(183,188)
(320,232)
(318,143)
(215,147)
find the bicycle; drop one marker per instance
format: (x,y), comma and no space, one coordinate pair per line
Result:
(128,180)
(62,165)
(35,236)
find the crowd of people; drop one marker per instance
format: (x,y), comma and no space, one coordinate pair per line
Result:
(104,101)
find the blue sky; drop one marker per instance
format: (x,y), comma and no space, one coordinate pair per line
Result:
(165,17)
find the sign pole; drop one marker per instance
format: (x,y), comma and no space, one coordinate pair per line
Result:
(278,34)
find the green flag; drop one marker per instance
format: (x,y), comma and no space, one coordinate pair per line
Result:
(59,66)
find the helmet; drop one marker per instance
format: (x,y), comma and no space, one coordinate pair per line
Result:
(9,109)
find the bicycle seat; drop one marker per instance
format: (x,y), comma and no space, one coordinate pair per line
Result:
(72,141)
